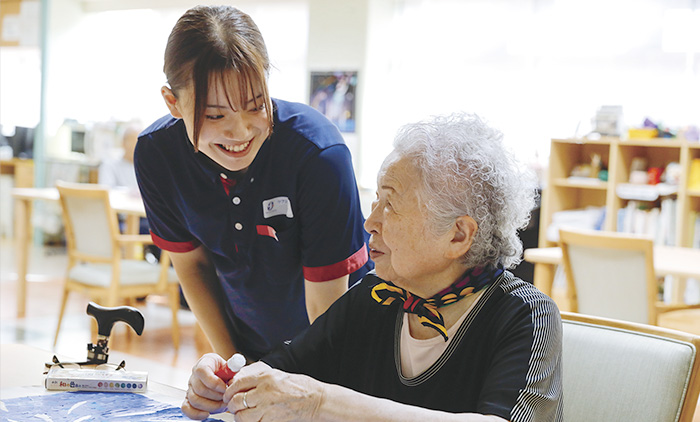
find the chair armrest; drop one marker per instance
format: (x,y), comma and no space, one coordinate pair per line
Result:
(135,238)
(662,307)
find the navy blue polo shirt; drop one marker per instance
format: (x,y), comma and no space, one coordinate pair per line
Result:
(293,214)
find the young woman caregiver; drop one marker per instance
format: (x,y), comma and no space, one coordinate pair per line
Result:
(254,197)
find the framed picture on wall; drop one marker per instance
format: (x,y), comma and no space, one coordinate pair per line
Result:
(333,94)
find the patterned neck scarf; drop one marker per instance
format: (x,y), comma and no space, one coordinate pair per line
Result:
(474,280)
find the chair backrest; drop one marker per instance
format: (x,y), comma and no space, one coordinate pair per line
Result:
(610,274)
(622,371)
(90,222)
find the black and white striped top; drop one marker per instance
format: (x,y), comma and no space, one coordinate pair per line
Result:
(504,360)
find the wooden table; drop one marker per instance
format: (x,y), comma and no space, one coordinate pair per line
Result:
(22,369)
(21,170)
(121,201)
(668,260)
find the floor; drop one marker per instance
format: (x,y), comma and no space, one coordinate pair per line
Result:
(153,350)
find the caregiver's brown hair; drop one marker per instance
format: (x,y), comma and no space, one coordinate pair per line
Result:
(206,43)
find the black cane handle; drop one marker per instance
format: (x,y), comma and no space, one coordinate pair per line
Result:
(106,317)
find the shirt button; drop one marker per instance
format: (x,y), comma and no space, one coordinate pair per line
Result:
(236,200)
(223,176)
(238,226)
(252,179)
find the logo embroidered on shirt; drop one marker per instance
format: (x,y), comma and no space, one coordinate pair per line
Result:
(277,206)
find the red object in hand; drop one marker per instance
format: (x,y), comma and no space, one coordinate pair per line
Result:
(232,366)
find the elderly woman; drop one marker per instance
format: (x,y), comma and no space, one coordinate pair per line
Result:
(442,331)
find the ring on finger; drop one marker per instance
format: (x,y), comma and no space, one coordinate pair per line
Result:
(245,403)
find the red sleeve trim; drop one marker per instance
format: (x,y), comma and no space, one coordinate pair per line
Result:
(339,269)
(267,231)
(174,246)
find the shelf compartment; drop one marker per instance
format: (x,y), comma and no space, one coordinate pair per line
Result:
(565,154)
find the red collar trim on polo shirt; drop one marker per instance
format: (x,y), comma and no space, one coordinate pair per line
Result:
(228,183)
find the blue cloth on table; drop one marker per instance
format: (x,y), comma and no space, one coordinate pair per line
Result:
(79,405)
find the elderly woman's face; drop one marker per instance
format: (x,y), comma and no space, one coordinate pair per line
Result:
(402,247)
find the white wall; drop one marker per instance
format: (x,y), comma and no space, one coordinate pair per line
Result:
(106,65)
(537,69)
(337,42)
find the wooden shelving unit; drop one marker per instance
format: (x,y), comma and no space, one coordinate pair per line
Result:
(564,193)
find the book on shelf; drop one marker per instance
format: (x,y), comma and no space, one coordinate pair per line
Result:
(695,229)
(668,210)
(590,218)
(658,222)
(652,222)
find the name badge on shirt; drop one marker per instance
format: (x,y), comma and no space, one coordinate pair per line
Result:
(277,206)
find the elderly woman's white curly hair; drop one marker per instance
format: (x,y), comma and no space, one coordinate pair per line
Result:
(466,170)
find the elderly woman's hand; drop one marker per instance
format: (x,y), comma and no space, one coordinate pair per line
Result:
(260,393)
(205,390)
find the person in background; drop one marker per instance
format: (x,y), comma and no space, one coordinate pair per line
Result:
(255,198)
(442,331)
(119,173)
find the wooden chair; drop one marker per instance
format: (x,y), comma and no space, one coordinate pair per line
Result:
(96,263)
(612,275)
(622,371)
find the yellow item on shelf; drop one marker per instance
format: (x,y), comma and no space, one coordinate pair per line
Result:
(694,175)
(642,133)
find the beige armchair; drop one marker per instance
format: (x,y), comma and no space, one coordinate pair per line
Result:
(96,263)
(622,371)
(612,275)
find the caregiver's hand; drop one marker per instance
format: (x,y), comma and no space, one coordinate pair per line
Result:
(205,391)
